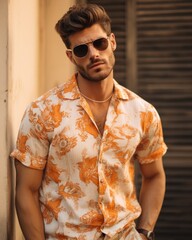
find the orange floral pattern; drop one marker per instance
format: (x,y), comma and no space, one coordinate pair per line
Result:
(88,181)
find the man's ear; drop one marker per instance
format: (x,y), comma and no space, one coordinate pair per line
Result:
(113,41)
(70,56)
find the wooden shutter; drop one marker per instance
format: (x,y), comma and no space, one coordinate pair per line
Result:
(164,51)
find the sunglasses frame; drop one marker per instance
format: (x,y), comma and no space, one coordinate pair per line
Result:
(88,43)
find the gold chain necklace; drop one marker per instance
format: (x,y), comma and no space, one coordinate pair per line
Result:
(96,101)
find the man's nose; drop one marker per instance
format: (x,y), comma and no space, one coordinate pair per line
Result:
(93,52)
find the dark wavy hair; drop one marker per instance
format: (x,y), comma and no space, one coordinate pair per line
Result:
(79,17)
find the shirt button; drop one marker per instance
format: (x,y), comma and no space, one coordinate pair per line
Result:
(101,181)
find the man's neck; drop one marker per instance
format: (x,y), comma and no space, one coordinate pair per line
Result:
(97,90)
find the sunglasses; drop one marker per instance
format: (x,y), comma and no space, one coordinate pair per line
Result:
(81,50)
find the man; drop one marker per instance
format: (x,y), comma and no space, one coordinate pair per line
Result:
(77,146)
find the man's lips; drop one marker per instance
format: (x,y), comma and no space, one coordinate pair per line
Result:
(93,65)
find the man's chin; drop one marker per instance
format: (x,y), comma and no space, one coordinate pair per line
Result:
(96,76)
(97,79)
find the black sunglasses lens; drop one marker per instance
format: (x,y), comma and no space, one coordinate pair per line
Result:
(101,44)
(81,50)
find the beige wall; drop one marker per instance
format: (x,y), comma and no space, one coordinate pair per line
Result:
(32,60)
(23,68)
(57,67)
(3,119)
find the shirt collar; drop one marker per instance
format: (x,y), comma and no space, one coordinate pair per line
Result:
(120,92)
(71,90)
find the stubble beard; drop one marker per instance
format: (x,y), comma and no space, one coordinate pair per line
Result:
(99,74)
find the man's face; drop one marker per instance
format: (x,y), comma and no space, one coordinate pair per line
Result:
(97,64)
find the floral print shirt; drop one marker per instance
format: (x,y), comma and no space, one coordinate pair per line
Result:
(88,184)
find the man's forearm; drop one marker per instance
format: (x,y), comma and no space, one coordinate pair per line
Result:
(151,199)
(30,217)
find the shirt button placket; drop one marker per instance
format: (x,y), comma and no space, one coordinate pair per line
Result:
(102,143)
(100,162)
(101,181)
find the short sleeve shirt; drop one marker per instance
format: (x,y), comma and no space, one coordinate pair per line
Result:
(88,184)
